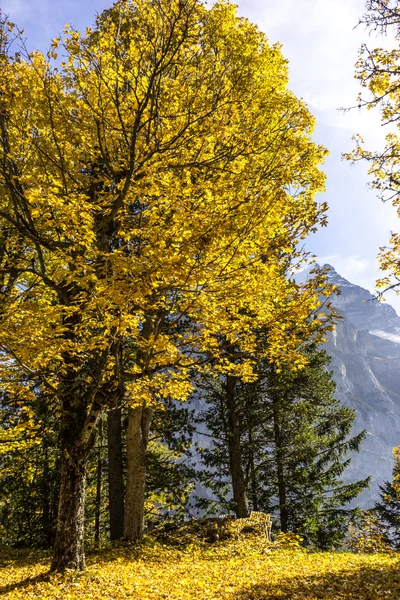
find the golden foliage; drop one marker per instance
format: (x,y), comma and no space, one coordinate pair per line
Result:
(367,535)
(155,187)
(227,527)
(248,568)
(396,469)
(163,169)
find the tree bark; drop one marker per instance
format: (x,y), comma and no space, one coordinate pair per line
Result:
(253,477)
(115,474)
(98,486)
(283,511)
(46,496)
(137,435)
(76,440)
(68,548)
(235,451)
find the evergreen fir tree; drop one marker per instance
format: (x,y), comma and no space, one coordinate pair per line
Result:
(29,474)
(294,444)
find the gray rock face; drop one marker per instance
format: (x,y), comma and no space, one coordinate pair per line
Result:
(365,351)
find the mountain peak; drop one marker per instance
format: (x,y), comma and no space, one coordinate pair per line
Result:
(357,303)
(327,266)
(361,307)
(336,278)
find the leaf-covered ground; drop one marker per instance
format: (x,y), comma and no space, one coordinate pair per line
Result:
(246,568)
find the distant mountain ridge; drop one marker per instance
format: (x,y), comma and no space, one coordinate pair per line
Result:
(365,352)
(365,360)
(368,314)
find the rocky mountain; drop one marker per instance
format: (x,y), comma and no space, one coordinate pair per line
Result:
(365,352)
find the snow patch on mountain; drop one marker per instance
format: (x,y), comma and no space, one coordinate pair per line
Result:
(392,337)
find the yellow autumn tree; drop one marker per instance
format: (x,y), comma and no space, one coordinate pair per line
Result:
(378,69)
(152,186)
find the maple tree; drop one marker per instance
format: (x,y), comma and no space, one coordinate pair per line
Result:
(157,174)
(377,70)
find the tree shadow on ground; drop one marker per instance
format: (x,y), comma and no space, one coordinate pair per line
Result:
(28,581)
(22,559)
(375,583)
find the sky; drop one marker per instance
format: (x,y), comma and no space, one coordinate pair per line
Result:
(321,42)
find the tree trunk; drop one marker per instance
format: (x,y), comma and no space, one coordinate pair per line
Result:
(82,403)
(115,474)
(253,477)
(76,439)
(137,435)
(54,500)
(283,512)
(98,487)
(46,496)
(235,451)
(68,549)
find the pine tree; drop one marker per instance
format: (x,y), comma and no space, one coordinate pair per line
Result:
(294,443)
(29,473)
(388,509)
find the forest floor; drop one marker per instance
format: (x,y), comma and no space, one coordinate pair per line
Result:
(247,567)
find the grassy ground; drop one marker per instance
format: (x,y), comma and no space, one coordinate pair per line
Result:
(247,568)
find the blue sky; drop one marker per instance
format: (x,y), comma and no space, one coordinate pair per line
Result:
(320,41)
